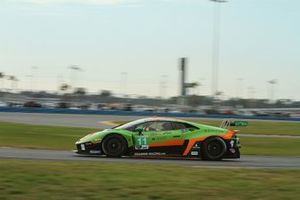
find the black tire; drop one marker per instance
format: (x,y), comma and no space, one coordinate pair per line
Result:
(114,146)
(213,148)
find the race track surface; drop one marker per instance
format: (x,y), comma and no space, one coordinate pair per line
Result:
(69,120)
(97,121)
(244,162)
(77,120)
(89,121)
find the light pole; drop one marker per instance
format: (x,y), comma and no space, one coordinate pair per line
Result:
(33,78)
(201,84)
(2,76)
(216,46)
(251,92)
(123,84)
(239,88)
(272,84)
(162,86)
(14,82)
(73,77)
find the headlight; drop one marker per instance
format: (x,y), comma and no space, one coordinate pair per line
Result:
(96,141)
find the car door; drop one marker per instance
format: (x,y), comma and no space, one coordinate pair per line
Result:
(166,140)
(164,133)
(159,138)
(142,140)
(155,139)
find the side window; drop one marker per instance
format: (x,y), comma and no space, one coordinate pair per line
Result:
(163,126)
(151,127)
(148,126)
(166,126)
(160,126)
(156,126)
(178,126)
(181,126)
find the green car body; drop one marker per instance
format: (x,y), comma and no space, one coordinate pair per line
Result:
(162,137)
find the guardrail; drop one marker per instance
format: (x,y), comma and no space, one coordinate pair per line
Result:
(135,113)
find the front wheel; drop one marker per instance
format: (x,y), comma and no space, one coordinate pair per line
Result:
(114,146)
(213,149)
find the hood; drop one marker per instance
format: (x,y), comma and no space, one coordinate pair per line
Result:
(93,137)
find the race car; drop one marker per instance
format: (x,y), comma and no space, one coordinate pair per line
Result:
(159,136)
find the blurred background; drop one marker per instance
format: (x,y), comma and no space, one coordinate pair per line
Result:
(199,60)
(196,56)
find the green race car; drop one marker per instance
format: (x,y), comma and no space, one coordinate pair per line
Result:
(164,137)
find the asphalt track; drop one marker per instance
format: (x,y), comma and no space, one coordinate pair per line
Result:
(244,162)
(69,120)
(76,120)
(97,121)
(90,121)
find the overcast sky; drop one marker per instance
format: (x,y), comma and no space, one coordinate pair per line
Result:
(144,38)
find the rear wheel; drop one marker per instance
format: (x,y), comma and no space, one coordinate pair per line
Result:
(213,149)
(114,146)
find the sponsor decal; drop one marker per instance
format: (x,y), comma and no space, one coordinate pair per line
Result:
(141,147)
(232,150)
(150,154)
(95,151)
(212,130)
(141,143)
(141,140)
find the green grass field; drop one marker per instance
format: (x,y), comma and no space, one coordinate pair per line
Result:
(63,138)
(78,180)
(270,146)
(35,180)
(40,137)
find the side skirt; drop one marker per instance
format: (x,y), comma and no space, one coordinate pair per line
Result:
(162,150)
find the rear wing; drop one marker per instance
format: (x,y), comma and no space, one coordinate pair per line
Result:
(228,123)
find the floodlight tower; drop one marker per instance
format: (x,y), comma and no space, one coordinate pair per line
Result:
(272,84)
(183,62)
(33,78)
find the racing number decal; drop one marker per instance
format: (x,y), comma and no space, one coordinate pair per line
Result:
(142,140)
(141,143)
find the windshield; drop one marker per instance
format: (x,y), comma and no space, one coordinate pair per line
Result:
(129,124)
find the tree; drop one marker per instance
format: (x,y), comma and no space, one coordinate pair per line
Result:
(2,76)
(64,87)
(105,93)
(80,91)
(13,80)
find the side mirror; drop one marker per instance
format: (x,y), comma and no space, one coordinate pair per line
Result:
(139,130)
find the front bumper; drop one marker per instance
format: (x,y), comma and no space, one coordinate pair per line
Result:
(88,148)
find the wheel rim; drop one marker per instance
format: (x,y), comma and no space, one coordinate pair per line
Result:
(113,146)
(214,148)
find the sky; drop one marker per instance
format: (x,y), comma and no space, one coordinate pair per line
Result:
(133,46)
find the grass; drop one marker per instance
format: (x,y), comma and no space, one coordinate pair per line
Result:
(40,137)
(63,138)
(32,180)
(270,146)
